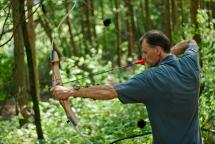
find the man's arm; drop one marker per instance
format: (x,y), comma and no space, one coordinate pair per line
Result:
(101,92)
(180,47)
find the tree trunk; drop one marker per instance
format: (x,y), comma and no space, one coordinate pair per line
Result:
(85,26)
(92,20)
(148,23)
(32,72)
(88,24)
(194,5)
(208,13)
(20,80)
(69,23)
(133,23)
(129,28)
(193,11)
(201,4)
(180,15)
(213,9)
(117,25)
(174,15)
(86,16)
(31,35)
(142,18)
(213,13)
(166,19)
(105,45)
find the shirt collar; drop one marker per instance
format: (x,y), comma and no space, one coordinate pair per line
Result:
(167,59)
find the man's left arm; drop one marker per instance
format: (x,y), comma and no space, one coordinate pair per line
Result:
(100,92)
(135,90)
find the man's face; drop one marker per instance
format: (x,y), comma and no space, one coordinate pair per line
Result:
(151,55)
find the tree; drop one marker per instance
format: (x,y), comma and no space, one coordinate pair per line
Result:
(194,5)
(92,21)
(69,23)
(166,19)
(130,27)
(20,79)
(174,15)
(85,26)
(118,28)
(32,72)
(31,35)
(104,40)
(148,23)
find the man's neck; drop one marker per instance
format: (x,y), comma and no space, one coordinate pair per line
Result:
(163,55)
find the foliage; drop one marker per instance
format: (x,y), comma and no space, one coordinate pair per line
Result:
(6,81)
(99,121)
(207,98)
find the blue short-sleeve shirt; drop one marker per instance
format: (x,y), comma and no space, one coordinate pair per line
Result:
(170,92)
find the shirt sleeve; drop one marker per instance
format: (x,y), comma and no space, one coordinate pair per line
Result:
(133,90)
(192,54)
(192,49)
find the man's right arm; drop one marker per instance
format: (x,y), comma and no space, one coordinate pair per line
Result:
(180,47)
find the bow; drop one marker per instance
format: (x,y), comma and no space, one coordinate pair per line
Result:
(56,80)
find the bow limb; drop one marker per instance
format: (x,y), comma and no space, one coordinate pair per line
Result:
(56,80)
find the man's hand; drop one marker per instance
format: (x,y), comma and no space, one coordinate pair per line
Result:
(61,92)
(180,47)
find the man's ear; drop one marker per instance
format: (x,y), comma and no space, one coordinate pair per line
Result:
(158,50)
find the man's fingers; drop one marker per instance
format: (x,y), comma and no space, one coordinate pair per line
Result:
(52,89)
(192,42)
(54,92)
(60,92)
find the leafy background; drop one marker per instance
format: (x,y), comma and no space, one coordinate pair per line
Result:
(99,121)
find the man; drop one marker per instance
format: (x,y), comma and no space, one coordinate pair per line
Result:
(169,89)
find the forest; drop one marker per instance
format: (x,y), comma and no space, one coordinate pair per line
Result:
(93,42)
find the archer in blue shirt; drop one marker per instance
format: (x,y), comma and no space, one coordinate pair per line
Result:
(169,89)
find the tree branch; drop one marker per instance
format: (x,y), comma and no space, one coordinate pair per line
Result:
(15,28)
(8,14)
